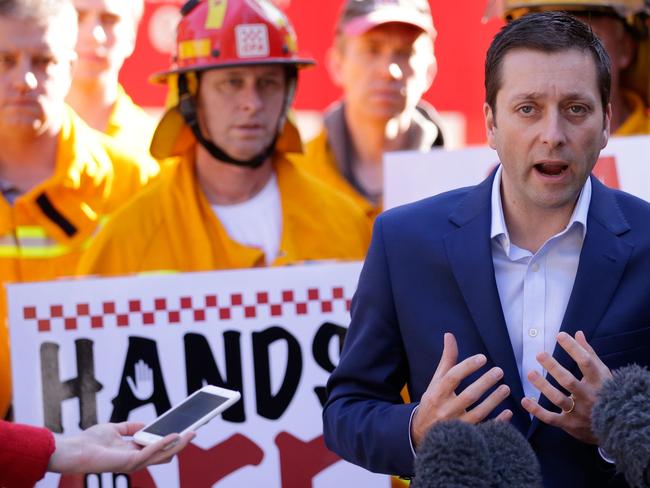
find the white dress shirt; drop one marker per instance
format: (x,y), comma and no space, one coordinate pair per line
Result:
(534,289)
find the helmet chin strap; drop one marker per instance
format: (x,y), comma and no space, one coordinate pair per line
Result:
(187,107)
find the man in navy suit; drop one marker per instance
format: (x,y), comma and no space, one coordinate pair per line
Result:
(512,299)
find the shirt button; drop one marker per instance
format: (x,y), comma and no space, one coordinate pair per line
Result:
(535,267)
(533,332)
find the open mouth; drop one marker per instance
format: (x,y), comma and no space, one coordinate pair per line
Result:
(551,169)
(91,56)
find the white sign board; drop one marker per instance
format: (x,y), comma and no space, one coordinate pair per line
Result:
(273,334)
(412,175)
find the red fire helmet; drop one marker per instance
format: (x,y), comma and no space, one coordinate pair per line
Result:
(218,34)
(224,33)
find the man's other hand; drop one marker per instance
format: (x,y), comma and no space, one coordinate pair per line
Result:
(440,401)
(575,418)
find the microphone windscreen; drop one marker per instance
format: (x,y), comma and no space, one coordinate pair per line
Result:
(514,464)
(452,455)
(621,421)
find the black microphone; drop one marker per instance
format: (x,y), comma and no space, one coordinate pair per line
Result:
(514,463)
(491,455)
(452,455)
(621,421)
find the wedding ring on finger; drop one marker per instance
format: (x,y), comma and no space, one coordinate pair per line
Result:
(573,404)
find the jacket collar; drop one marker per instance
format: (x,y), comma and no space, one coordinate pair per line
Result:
(470,257)
(295,198)
(68,205)
(423,134)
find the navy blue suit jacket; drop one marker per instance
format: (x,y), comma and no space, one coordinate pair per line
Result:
(428,271)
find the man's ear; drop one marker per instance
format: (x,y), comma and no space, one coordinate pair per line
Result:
(72,62)
(606,125)
(74,59)
(334,61)
(129,44)
(490,125)
(626,52)
(432,71)
(426,45)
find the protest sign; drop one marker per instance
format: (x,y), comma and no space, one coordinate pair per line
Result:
(273,334)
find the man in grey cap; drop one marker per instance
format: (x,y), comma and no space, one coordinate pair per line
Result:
(383,59)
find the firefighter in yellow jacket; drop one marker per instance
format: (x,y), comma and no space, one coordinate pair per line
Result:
(58,177)
(107,35)
(623,27)
(383,59)
(234,200)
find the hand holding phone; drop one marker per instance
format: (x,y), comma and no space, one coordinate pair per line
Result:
(196,410)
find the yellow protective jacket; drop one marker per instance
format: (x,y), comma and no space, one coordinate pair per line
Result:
(320,162)
(130,125)
(44,232)
(172,227)
(638,122)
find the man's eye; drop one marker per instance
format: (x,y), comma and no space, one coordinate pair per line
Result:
(578,109)
(108,19)
(42,61)
(405,53)
(526,109)
(231,84)
(269,84)
(372,49)
(7,61)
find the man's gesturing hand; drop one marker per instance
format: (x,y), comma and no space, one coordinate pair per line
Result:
(440,401)
(575,418)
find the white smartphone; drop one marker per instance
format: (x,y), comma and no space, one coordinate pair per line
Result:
(196,410)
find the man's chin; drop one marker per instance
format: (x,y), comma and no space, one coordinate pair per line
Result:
(24,126)
(384,112)
(244,153)
(89,73)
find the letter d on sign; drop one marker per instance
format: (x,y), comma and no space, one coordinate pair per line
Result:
(269,405)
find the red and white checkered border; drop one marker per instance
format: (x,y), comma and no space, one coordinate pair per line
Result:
(226,307)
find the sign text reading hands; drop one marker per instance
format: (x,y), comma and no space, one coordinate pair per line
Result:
(91,351)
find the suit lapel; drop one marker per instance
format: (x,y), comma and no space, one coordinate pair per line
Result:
(470,258)
(602,262)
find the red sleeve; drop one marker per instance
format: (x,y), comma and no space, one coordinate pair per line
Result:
(24,454)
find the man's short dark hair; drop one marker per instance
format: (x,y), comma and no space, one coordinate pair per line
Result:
(547,32)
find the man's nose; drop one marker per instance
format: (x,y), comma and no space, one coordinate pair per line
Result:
(95,31)
(389,68)
(553,132)
(25,79)
(250,98)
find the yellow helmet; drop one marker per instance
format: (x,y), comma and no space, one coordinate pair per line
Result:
(512,9)
(635,14)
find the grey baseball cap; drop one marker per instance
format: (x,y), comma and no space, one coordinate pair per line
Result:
(359,16)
